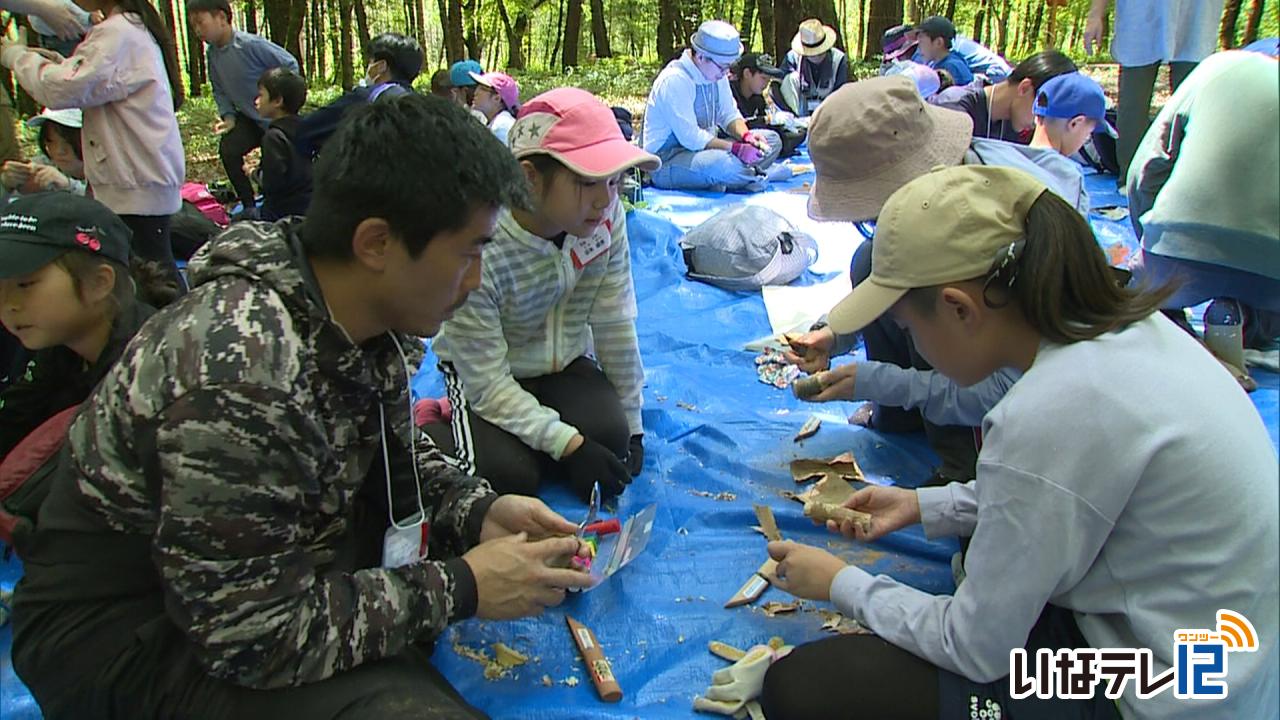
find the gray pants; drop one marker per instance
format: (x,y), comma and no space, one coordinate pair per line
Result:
(1133,111)
(717,170)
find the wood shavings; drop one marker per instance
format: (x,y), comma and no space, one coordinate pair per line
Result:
(722,496)
(773,608)
(806,477)
(571,681)
(725,651)
(834,622)
(809,429)
(686,406)
(547,681)
(660,398)
(680,639)
(682,531)
(497,667)
(801,169)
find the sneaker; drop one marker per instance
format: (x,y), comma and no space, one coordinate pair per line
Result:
(247,214)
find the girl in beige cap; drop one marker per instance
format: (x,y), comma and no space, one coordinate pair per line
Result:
(1101,516)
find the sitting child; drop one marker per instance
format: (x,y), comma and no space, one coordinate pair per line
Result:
(285,173)
(936,36)
(1070,530)
(689,106)
(1068,108)
(1004,111)
(497,97)
(60,165)
(67,294)
(752,82)
(542,364)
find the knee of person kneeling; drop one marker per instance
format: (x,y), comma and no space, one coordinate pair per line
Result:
(788,692)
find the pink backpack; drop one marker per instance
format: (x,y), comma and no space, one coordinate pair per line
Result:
(198,194)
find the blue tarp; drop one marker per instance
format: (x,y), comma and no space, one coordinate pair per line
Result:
(710,428)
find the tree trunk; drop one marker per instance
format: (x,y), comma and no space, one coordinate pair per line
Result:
(345,62)
(600,30)
(979,20)
(768,42)
(863,50)
(951,9)
(451,19)
(913,11)
(1227,31)
(786,19)
(747,25)
(1254,22)
(572,33)
(1035,27)
(196,71)
(293,28)
(558,28)
(1050,35)
(882,15)
(668,22)
(251,17)
(1002,28)
(362,24)
(824,10)
(515,36)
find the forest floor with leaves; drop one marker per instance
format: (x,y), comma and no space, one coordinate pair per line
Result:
(618,81)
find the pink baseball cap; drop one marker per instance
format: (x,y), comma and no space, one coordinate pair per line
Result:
(574,127)
(505,85)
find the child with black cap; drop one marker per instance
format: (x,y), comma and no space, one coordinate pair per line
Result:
(752,82)
(936,36)
(67,294)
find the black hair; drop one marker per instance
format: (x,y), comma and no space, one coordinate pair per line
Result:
(419,162)
(143,280)
(212,7)
(283,83)
(402,54)
(161,33)
(441,84)
(1060,279)
(70,135)
(1042,67)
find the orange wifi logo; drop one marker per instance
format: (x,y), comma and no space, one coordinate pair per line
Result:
(1236,632)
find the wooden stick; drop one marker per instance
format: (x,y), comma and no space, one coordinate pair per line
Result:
(593,656)
(768,524)
(824,511)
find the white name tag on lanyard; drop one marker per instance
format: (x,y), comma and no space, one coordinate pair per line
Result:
(405,543)
(586,249)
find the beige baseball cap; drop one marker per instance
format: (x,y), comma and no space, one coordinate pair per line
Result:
(873,136)
(945,226)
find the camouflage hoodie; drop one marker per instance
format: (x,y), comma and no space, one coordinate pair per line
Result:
(241,433)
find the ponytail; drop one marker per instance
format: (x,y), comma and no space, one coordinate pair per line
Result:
(163,35)
(1061,280)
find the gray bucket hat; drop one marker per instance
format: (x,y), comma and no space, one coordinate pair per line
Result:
(746,248)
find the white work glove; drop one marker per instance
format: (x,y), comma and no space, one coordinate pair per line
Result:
(734,687)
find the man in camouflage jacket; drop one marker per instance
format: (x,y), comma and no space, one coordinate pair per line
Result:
(212,545)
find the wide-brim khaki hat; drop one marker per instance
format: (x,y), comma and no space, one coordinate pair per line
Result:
(813,38)
(870,138)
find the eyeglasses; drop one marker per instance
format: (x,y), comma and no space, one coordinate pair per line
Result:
(722,68)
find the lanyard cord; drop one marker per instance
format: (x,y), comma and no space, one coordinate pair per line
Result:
(413,450)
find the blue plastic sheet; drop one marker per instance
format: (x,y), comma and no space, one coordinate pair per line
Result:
(710,428)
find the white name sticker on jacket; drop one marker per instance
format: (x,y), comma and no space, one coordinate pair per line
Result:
(405,545)
(586,249)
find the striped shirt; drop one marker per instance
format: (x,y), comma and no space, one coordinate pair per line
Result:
(535,312)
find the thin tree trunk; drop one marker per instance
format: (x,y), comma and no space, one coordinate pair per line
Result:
(1051,37)
(882,15)
(913,11)
(979,20)
(668,22)
(600,30)
(951,9)
(515,50)
(293,28)
(1227,30)
(786,19)
(1035,26)
(345,37)
(1002,28)
(196,71)
(747,25)
(362,24)
(559,31)
(572,33)
(251,17)
(1254,22)
(768,41)
(451,19)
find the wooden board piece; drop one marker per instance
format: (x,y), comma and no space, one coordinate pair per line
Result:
(809,429)
(724,651)
(824,511)
(768,524)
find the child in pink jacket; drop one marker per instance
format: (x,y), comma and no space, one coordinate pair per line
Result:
(124,77)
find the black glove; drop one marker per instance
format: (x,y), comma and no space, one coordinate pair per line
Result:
(594,463)
(635,455)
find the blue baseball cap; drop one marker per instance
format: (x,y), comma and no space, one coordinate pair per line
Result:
(460,73)
(1069,95)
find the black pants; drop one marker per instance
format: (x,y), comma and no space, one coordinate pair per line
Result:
(886,342)
(152,240)
(582,395)
(232,147)
(863,676)
(115,652)
(1133,110)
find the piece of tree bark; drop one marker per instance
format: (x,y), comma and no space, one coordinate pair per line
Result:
(1253,23)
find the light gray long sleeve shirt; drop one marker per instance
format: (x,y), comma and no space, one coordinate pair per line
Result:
(939,399)
(1144,508)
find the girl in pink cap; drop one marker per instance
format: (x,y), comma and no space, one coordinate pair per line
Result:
(542,363)
(498,99)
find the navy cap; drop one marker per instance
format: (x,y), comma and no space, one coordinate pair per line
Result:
(938,26)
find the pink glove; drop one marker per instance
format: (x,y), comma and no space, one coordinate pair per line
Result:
(747,153)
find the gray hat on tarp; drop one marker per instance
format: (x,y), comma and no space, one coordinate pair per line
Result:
(746,248)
